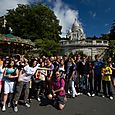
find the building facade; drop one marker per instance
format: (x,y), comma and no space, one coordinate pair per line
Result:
(76,41)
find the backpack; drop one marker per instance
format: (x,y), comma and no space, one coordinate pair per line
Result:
(61,80)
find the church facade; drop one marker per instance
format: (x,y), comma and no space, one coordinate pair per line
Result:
(76,41)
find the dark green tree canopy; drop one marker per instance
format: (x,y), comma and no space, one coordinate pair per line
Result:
(104,37)
(34,22)
(112,31)
(47,47)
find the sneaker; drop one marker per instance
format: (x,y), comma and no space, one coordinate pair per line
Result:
(78,94)
(69,92)
(27,105)
(93,94)
(111,98)
(103,96)
(4,108)
(30,100)
(15,109)
(81,93)
(89,94)
(39,99)
(9,105)
(73,96)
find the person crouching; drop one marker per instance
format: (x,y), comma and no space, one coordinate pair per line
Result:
(58,91)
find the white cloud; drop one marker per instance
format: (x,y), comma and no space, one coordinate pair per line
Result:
(9,4)
(108,10)
(93,14)
(65,14)
(106,25)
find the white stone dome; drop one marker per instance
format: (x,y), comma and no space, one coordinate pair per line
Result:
(75,26)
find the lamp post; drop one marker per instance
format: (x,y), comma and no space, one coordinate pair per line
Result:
(22,48)
(4,22)
(11,30)
(9,48)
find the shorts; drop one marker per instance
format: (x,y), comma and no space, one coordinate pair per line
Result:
(9,87)
(61,99)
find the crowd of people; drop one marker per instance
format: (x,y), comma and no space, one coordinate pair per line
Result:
(54,78)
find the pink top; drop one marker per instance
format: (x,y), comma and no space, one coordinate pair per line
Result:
(57,84)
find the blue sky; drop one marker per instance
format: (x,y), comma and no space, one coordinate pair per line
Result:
(96,16)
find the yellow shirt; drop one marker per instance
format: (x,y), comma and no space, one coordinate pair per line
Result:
(106,73)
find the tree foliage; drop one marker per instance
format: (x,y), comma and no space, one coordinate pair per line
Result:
(47,47)
(36,22)
(112,39)
(112,31)
(104,37)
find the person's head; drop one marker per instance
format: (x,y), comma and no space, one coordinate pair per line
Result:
(109,59)
(62,62)
(48,62)
(69,60)
(89,58)
(11,63)
(72,60)
(1,63)
(32,63)
(42,64)
(65,57)
(25,61)
(78,57)
(51,58)
(104,64)
(57,74)
(75,57)
(40,60)
(84,58)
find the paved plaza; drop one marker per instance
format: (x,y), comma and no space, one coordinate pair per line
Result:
(81,105)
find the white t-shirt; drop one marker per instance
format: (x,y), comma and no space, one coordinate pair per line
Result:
(28,72)
(42,76)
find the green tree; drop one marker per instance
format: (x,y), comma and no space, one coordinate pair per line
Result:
(47,47)
(104,36)
(112,31)
(34,22)
(112,47)
(38,23)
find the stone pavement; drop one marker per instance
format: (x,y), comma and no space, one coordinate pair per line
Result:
(81,105)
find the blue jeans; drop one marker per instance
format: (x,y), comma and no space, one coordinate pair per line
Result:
(83,83)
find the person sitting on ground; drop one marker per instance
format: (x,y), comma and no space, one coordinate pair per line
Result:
(58,91)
